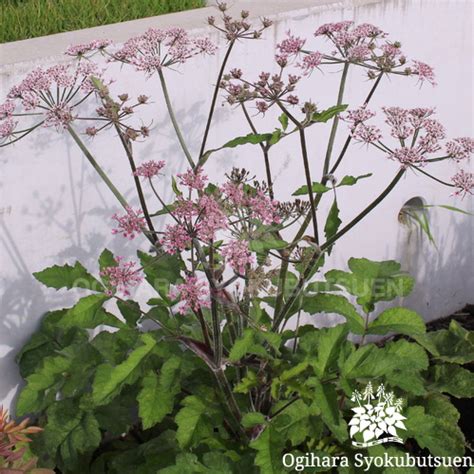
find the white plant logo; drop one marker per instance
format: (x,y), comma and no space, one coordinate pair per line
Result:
(375,416)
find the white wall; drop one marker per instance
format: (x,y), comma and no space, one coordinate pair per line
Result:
(54,209)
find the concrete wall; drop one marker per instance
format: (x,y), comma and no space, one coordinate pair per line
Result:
(54,209)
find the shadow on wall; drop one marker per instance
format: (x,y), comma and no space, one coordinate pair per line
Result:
(434,262)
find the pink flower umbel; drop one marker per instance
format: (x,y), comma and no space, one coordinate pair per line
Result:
(193,294)
(264,208)
(212,218)
(130,224)
(460,148)
(193,179)
(156,49)
(149,169)
(424,72)
(121,277)
(464,182)
(87,49)
(237,255)
(175,239)
(408,156)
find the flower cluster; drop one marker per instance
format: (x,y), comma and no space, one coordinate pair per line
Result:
(121,277)
(149,169)
(129,225)
(193,294)
(50,96)
(237,255)
(88,49)
(237,28)
(464,182)
(268,90)
(157,49)
(460,148)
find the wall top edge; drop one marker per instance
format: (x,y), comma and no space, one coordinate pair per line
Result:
(54,45)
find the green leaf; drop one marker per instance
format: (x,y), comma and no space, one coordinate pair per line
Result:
(249,343)
(329,347)
(449,208)
(283,119)
(453,345)
(33,397)
(68,277)
(174,186)
(71,430)
(436,433)
(88,313)
(130,311)
(327,303)
(253,418)
(109,380)
(398,320)
(351,180)
(269,446)
(372,281)
(332,223)
(191,420)
(156,399)
(325,397)
(294,422)
(161,271)
(107,259)
(453,379)
(328,114)
(316,188)
(251,138)
(266,242)
(186,463)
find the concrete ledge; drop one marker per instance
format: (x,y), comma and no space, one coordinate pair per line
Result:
(55,45)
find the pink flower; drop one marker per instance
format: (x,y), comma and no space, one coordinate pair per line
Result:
(357,116)
(464,181)
(149,169)
(264,208)
(424,72)
(329,28)
(84,48)
(291,45)
(366,30)
(175,239)
(434,132)
(59,116)
(156,49)
(7,128)
(237,255)
(262,106)
(418,116)
(310,61)
(359,52)
(130,224)
(397,118)
(212,218)
(193,179)
(7,109)
(408,156)
(233,192)
(121,277)
(460,148)
(366,133)
(193,295)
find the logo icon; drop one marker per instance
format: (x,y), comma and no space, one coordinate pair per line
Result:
(376,417)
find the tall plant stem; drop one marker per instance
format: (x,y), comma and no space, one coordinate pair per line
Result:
(214,98)
(307,170)
(97,167)
(129,152)
(349,138)
(335,122)
(317,255)
(173,119)
(265,151)
(324,178)
(216,328)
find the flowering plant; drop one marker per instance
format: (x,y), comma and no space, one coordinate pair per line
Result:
(229,375)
